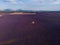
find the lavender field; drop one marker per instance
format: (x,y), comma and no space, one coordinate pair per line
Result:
(42,28)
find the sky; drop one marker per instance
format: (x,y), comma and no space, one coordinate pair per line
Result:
(48,5)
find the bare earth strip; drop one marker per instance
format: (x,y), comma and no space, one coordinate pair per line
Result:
(22,13)
(8,42)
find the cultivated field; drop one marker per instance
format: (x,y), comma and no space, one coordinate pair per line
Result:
(41,28)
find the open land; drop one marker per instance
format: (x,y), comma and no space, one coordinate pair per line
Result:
(42,28)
